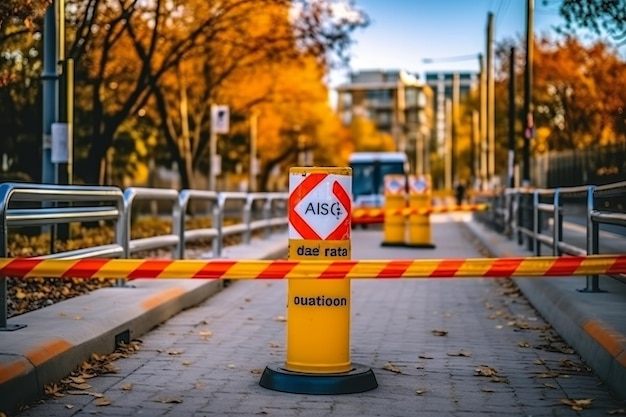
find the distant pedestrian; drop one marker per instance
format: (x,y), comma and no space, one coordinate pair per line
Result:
(459,193)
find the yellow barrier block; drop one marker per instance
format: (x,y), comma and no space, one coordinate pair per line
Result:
(318,312)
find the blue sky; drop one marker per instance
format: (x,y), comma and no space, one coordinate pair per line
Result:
(403,33)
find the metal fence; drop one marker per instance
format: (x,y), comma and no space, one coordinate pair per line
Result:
(28,205)
(535,217)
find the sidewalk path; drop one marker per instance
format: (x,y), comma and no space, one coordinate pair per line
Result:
(440,347)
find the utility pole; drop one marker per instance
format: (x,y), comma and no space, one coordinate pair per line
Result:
(483,124)
(491,113)
(448,147)
(528,79)
(474,147)
(455,116)
(511,161)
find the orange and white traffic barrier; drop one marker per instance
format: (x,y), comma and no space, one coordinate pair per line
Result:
(394,229)
(542,266)
(419,233)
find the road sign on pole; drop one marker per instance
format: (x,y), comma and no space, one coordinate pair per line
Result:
(220,118)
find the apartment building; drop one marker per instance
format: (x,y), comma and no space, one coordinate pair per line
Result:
(397,102)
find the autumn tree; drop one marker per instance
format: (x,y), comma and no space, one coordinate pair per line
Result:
(20,73)
(127,50)
(575,92)
(599,16)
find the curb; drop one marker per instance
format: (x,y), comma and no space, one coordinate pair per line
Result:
(60,337)
(569,312)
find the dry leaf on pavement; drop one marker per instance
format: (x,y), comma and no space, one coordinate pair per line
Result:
(463,353)
(439,332)
(168,400)
(392,368)
(577,405)
(102,401)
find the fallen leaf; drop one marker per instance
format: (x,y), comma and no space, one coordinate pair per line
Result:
(93,394)
(280,318)
(487,390)
(205,334)
(523,344)
(127,387)
(274,345)
(174,352)
(420,391)
(485,370)
(462,353)
(77,317)
(231,366)
(439,332)
(548,375)
(53,390)
(577,405)
(187,363)
(392,368)
(570,364)
(168,400)
(68,406)
(539,362)
(256,371)
(425,357)
(80,386)
(551,386)
(618,411)
(101,402)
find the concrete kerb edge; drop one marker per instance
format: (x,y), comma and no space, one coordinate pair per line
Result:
(567,319)
(28,386)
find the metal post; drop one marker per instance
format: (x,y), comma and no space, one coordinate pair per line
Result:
(511,164)
(483,124)
(448,145)
(536,223)
(213,160)
(528,77)
(454,171)
(254,167)
(557,230)
(491,109)
(49,78)
(593,284)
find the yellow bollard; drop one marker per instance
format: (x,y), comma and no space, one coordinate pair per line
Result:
(318,312)
(419,233)
(394,228)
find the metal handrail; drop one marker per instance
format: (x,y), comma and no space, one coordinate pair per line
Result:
(106,203)
(113,204)
(528,205)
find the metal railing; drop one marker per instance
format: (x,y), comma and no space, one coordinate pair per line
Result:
(26,205)
(525,214)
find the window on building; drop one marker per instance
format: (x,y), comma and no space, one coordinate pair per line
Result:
(384,118)
(410,97)
(378,96)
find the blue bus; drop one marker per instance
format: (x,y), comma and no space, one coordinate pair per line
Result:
(368,172)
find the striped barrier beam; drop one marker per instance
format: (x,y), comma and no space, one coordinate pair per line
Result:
(319,269)
(368,216)
(439,209)
(365,215)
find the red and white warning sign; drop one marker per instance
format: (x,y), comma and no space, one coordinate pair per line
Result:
(394,184)
(418,184)
(320,203)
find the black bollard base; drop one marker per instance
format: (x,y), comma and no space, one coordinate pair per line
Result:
(359,379)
